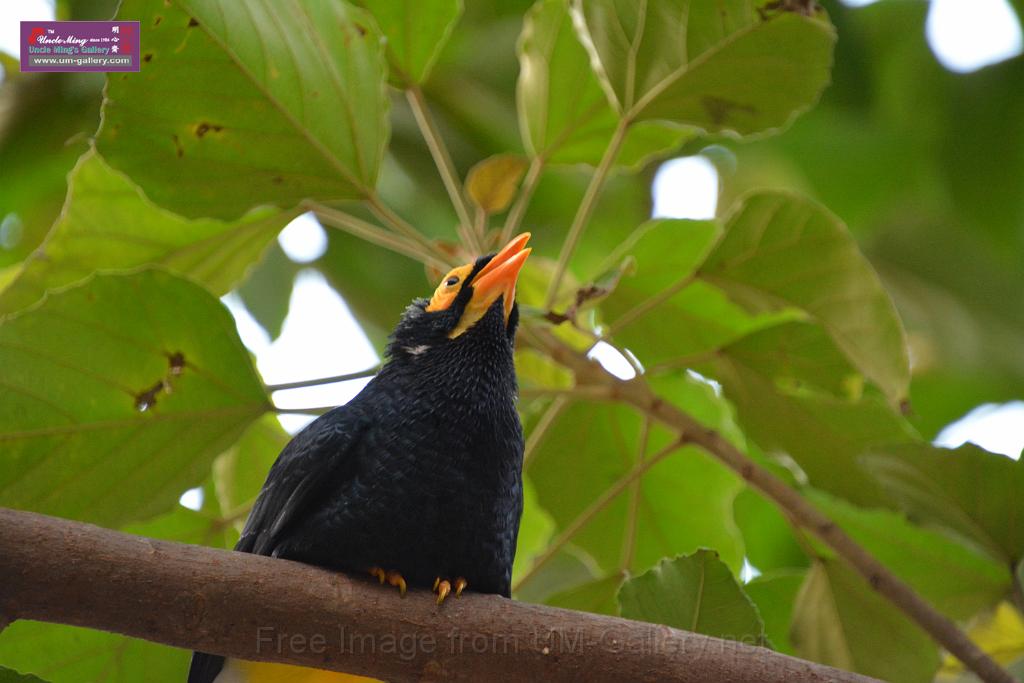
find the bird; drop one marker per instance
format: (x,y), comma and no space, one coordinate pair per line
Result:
(417,480)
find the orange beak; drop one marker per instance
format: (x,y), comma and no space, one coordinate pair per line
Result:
(500,274)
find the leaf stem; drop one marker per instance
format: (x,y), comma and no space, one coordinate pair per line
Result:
(586,208)
(526,190)
(594,508)
(637,393)
(369,372)
(377,235)
(541,428)
(633,511)
(443,161)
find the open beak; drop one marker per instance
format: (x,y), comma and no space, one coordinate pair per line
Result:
(500,274)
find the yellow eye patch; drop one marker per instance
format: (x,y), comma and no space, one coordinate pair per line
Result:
(449,288)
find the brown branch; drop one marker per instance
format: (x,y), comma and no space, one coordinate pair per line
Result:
(265,609)
(638,394)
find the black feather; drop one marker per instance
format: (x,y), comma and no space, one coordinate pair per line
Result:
(421,473)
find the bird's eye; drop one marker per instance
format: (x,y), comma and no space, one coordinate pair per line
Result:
(452,281)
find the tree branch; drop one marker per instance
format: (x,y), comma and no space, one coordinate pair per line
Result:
(445,165)
(638,394)
(260,608)
(317,381)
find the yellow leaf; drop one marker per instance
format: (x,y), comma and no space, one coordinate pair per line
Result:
(492,183)
(1000,634)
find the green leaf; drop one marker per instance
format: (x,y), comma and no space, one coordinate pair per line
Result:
(246,103)
(416,31)
(839,620)
(267,289)
(782,251)
(958,580)
(597,596)
(11,676)
(595,445)
(767,536)
(796,423)
(967,491)
(696,593)
(107,224)
(774,594)
(65,654)
(564,116)
(118,394)
(666,255)
(718,66)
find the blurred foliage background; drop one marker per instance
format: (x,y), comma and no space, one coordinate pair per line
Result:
(924,166)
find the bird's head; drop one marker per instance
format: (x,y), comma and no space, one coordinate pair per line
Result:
(474,303)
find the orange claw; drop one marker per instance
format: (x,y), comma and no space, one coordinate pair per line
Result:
(395,579)
(460,585)
(378,573)
(442,588)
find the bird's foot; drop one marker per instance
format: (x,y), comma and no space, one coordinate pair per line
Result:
(391,578)
(443,588)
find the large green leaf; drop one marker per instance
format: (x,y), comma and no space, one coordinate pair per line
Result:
(118,394)
(968,491)
(12,676)
(823,433)
(595,445)
(659,286)
(246,103)
(839,620)
(564,116)
(768,537)
(696,593)
(416,30)
(774,594)
(597,596)
(958,580)
(719,66)
(42,130)
(107,224)
(781,250)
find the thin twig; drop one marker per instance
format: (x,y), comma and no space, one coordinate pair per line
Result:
(362,374)
(586,208)
(376,235)
(593,509)
(443,161)
(526,190)
(317,410)
(638,394)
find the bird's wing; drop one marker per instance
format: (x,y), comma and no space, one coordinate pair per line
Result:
(316,457)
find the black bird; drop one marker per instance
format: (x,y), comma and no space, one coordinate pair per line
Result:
(418,479)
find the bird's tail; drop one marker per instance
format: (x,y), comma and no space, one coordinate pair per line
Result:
(214,668)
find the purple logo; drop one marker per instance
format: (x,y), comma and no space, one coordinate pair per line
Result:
(80,46)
